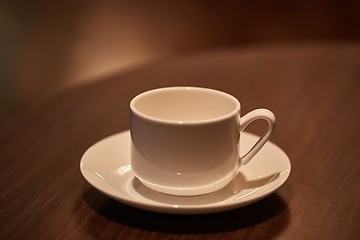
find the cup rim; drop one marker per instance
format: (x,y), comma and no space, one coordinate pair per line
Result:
(190,122)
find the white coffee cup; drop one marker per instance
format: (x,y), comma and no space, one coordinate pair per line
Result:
(185,140)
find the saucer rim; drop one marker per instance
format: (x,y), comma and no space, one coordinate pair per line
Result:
(130,200)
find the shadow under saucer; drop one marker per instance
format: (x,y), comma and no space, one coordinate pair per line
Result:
(264,210)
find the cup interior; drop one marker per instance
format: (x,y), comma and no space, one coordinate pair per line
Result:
(185,104)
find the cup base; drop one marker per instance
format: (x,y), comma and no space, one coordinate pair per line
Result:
(189,191)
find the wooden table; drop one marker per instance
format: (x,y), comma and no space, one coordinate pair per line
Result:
(312,88)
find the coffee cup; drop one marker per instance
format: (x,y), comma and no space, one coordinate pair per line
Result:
(185,140)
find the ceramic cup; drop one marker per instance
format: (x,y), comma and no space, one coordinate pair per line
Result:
(185,140)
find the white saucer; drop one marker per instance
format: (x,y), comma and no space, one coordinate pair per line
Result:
(106,166)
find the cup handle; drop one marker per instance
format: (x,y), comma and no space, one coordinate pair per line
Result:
(246,120)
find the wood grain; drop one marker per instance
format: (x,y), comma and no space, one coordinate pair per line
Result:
(312,88)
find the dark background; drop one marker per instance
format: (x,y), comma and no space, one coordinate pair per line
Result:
(48,46)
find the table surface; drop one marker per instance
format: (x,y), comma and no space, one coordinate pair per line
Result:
(313,89)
